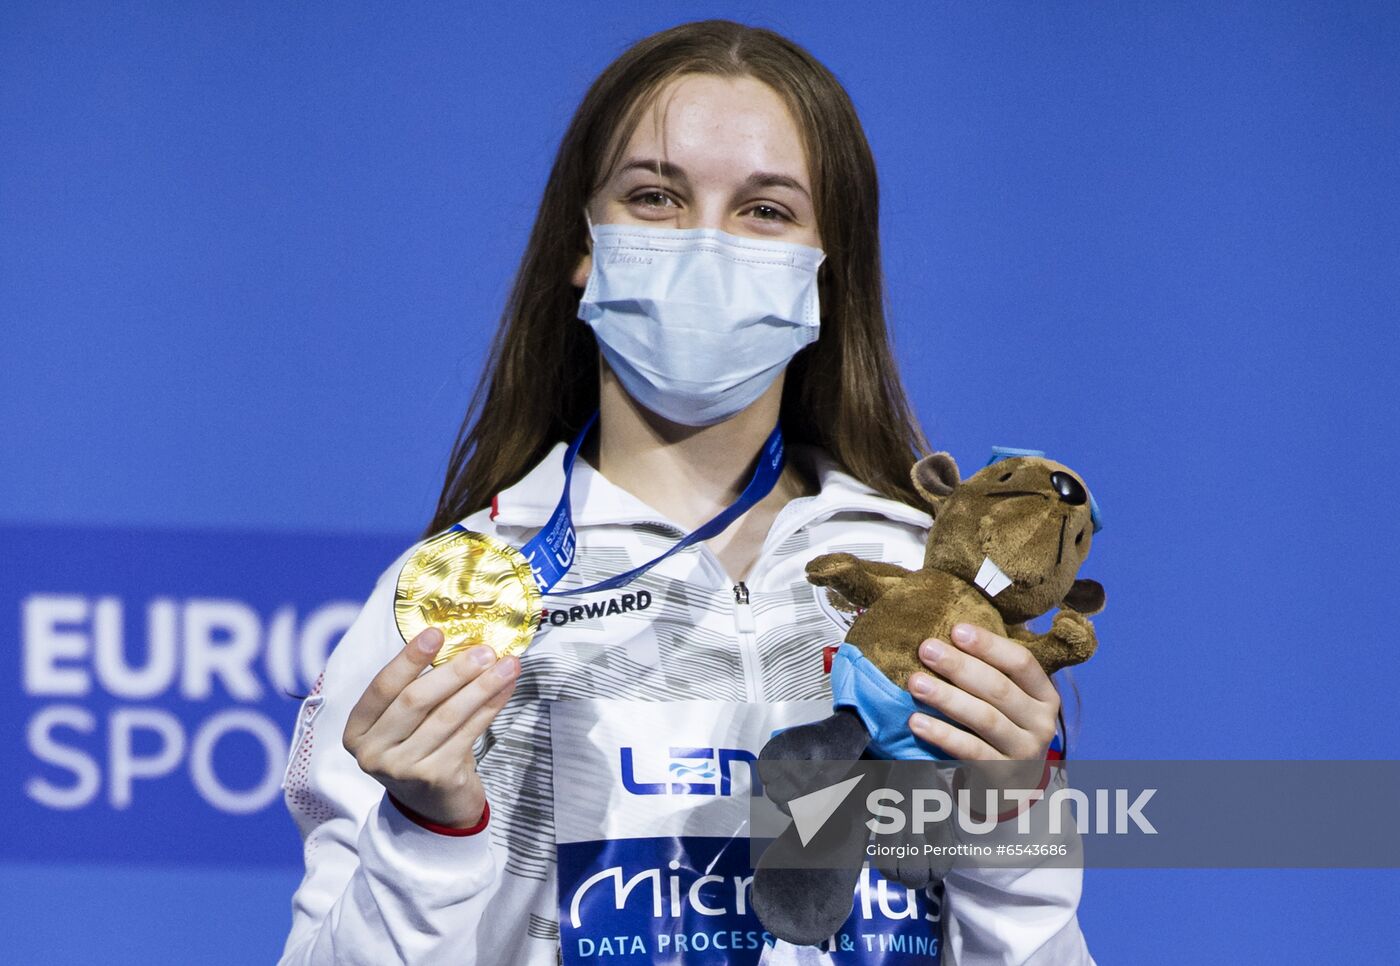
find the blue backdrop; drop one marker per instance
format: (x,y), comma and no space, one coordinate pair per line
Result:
(251,256)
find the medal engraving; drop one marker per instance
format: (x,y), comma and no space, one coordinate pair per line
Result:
(475,588)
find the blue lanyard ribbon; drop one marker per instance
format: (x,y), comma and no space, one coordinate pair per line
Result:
(550,552)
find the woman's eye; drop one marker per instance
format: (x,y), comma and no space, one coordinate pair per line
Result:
(777,215)
(641,198)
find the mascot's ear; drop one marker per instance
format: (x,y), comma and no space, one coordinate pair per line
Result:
(1086,596)
(934,477)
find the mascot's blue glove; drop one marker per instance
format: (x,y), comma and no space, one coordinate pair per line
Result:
(885,708)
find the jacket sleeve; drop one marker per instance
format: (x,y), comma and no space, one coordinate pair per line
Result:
(1017,917)
(377,888)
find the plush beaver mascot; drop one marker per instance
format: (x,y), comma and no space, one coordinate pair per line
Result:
(1005,547)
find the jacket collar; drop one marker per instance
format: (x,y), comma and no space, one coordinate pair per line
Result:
(597,501)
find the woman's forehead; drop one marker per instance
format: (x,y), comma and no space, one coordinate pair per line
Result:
(718,128)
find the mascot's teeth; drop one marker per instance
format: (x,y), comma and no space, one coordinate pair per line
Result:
(990,578)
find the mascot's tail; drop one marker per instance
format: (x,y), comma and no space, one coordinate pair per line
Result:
(806,906)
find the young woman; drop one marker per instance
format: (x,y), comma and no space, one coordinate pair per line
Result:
(703,274)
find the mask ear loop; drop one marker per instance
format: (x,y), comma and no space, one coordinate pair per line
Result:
(592,246)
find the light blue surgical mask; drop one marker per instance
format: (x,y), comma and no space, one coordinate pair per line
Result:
(697,322)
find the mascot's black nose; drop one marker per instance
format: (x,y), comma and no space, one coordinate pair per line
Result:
(1071,490)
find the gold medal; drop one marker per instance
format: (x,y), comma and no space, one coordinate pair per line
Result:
(475,588)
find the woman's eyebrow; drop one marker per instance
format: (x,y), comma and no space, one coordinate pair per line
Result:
(772,179)
(759,179)
(655,166)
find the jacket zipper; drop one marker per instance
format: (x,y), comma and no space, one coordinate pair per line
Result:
(743,623)
(748,645)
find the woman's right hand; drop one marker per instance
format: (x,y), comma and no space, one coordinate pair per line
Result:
(414,732)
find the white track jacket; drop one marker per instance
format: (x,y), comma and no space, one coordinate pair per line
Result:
(379,888)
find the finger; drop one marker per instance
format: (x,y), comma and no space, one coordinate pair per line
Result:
(993,727)
(457,748)
(980,679)
(957,743)
(422,696)
(456,713)
(1012,658)
(391,680)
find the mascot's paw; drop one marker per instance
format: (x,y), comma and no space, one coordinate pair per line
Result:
(829,567)
(1075,632)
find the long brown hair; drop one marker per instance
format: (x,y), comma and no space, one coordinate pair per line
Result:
(842,392)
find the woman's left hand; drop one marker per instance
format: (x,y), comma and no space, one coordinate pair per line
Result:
(995,687)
